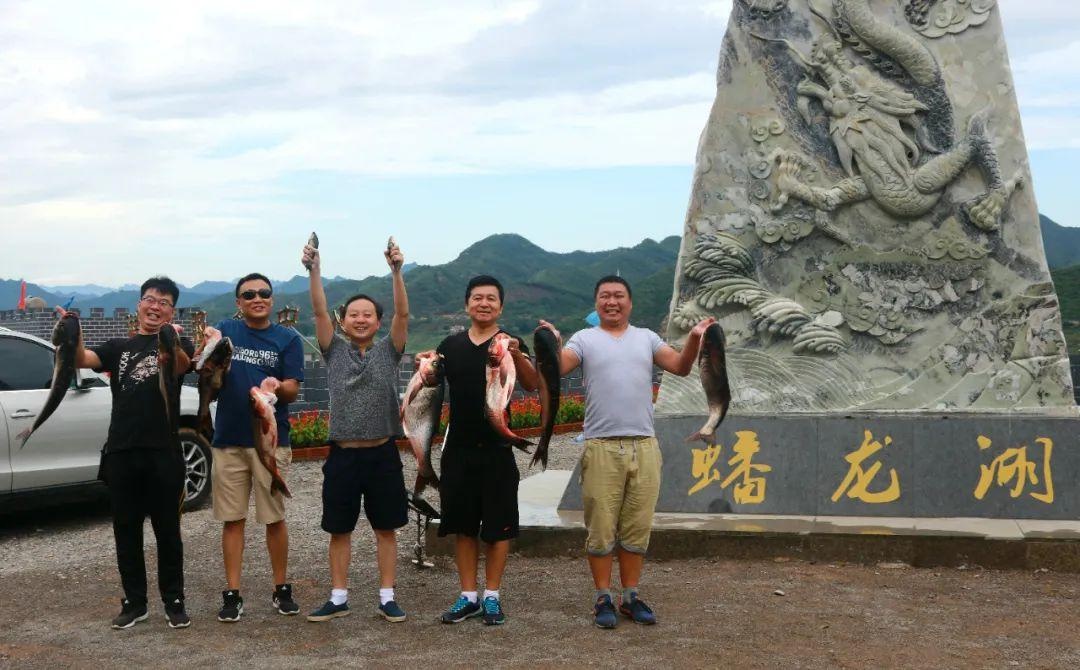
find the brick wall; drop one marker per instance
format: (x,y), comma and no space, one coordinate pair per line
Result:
(97,327)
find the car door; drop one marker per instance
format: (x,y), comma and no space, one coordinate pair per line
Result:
(5,451)
(66,448)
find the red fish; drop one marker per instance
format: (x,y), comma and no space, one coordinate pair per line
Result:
(501,377)
(264,430)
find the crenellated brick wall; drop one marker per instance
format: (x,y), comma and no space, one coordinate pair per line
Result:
(97,327)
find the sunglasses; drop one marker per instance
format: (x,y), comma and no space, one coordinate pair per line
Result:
(250,294)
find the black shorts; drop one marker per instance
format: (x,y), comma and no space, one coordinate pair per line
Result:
(479,493)
(368,475)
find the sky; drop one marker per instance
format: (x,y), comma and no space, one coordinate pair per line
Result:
(208,139)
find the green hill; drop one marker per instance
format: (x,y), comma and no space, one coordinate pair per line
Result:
(1062,243)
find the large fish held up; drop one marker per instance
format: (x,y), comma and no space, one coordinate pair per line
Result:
(265,432)
(712,368)
(501,377)
(168,382)
(420,412)
(66,335)
(212,368)
(547,346)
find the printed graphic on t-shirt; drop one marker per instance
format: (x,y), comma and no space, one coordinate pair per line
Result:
(144,369)
(260,357)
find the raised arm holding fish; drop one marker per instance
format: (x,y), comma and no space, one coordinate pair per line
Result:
(364,464)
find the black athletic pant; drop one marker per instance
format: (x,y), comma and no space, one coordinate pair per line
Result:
(147,482)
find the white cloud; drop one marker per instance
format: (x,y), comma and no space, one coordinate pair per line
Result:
(125,119)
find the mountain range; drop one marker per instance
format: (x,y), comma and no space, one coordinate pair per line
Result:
(539,283)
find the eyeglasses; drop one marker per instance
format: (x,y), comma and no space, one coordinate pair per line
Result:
(151,301)
(250,294)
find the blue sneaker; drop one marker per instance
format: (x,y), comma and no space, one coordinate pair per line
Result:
(637,610)
(329,611)
(493,614)
(604,613)
(461,609)
(392,612)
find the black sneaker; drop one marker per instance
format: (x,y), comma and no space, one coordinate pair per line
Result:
(283,600)
(130,614)
(461,609)
(233,607)
(175,614)
(493,613)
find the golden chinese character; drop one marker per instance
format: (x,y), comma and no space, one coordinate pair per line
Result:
(751,490)
(1013,464)
(862,478)
(702,468)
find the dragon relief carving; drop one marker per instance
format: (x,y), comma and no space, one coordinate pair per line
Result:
(723,271)
(937,18)
(878,127)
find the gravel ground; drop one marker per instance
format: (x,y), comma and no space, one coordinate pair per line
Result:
(60,588)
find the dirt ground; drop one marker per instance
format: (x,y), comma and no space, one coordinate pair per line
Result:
(59,589)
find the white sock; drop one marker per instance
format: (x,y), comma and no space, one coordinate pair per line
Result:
(339,596)
(491,594)
(469,595)
(386,595)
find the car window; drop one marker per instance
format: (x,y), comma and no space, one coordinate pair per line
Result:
(24,365)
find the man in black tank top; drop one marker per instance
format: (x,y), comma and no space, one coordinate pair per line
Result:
(479,484)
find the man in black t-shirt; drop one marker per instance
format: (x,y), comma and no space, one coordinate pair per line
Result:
(479,483)
(142,464)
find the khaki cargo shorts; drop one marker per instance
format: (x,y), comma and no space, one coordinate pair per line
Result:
(620,484)
(235,472)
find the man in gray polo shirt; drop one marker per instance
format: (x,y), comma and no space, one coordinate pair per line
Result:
(620,467)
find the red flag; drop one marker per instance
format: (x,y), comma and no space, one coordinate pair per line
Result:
(22,296)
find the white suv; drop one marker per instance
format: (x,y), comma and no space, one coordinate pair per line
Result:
(64,453)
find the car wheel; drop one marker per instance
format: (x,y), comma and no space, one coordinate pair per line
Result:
(197,461)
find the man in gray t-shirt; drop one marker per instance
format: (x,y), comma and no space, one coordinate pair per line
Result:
(620,467)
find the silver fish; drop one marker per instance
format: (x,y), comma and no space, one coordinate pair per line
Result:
(547,347)
(313,242)
(65,336)
(712,368)
(212,368)
(421,409)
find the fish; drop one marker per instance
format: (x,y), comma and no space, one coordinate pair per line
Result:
(712,368)
(168,342)
(421,408)
(265,432)
(390,246)
(313,242)
(547,345)
(422,506)
(212,367)
(501,377)
(66,336)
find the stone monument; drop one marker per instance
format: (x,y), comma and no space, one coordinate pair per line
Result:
(862,223)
